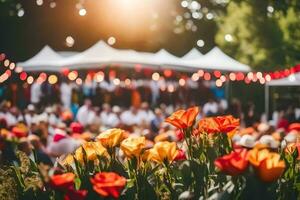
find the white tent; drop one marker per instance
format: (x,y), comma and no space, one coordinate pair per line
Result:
(192,54)
(291,80)
(217,59)
(101,54)
(45,60)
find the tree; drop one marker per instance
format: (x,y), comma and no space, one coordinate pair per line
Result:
(249,34)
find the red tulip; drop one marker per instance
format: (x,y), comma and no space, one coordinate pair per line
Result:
(108,184)
(180,155)
(234,163)
(62,181)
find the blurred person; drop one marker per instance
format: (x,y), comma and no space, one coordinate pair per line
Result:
(146,113)
(157,120)
(30,115)
(210,108)
(282,121)
(66,94)
(250,118)
(62,143)
(84,111)
(94,120)
(35,93)
(110,118)
(131,117)
(13,116)
(235,109)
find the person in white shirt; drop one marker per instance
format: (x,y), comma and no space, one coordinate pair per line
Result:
(146,114)
(30,116)
(85,112)
(131,117)
(66,94)
(108,118)
(13,117)
(210,108)
(35,93)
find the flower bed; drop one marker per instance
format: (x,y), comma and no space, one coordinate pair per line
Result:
(204,164)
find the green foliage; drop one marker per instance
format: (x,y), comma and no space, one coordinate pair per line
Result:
(257,38)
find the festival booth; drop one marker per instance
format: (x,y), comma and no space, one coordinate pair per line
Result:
(102,54)
(291,80)
(192,54)
(45,60)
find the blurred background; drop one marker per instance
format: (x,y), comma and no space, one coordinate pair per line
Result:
(265,34)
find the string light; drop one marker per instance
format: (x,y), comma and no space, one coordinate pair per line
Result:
(223,78)
(30,80)
(78,81)
(111,40)
(219,83)
(23,76)
(155,76)
(232,76)
(116,81)
(207,76)
(72,75)
(70,41)
(181,82)
(99,77)
(201,73)
(195,77)
(82,12)
(52,79)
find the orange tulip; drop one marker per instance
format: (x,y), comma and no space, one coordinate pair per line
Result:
(268,164)
(227,123)
(271,168)
(208,125)
(183,118)
(221,124)
(234,163)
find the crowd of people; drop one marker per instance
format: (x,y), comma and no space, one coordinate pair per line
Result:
(57,128)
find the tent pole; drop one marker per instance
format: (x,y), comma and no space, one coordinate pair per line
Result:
(267,101)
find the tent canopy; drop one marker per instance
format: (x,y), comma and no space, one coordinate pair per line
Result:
(291,80)
(45,60)
(217,59)
(192,54)
(101,53)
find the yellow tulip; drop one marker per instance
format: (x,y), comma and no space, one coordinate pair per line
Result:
(111,138)
(133,146)
(69,160)
(92,150)
(163,151)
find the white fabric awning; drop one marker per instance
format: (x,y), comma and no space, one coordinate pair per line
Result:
(291,80)
(101,54)
(192,54)
(217,59)
(45,60)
